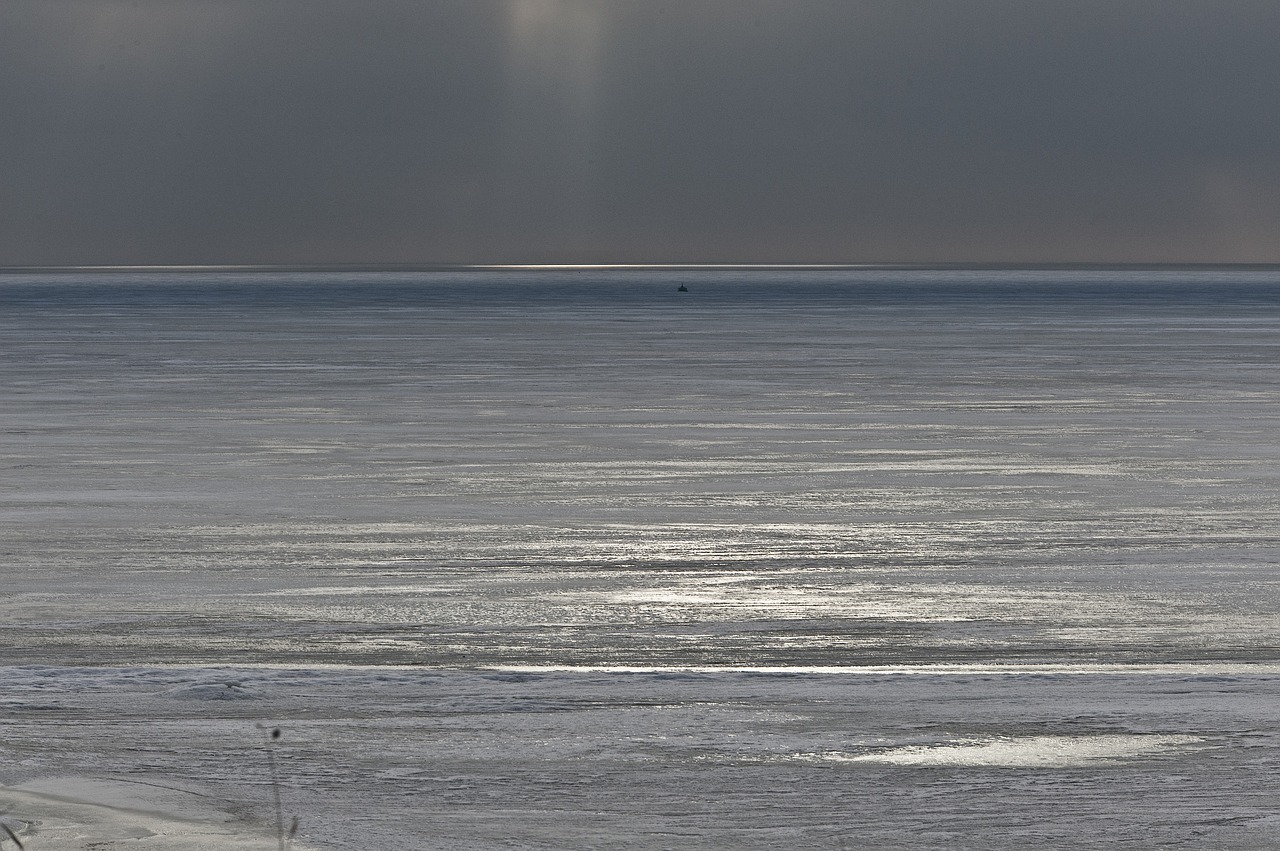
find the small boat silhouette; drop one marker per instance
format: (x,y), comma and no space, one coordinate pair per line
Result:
(682,289)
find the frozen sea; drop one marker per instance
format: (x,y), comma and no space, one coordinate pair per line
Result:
(572,560)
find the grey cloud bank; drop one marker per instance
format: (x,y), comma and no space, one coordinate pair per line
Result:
(710,131)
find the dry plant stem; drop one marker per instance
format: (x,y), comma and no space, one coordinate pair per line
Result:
(275,789)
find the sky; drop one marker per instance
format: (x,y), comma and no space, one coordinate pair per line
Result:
(639,131)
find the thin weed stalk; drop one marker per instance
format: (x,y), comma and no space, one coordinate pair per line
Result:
(283,837)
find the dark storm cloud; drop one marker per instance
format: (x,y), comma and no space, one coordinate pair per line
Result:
(191,131)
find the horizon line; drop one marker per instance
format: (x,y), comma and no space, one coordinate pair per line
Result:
(638,267)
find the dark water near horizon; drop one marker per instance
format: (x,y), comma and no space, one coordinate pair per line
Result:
(806,469)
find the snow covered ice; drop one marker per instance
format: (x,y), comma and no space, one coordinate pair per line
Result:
(833,560)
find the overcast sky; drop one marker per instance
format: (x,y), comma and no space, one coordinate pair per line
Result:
(489,131)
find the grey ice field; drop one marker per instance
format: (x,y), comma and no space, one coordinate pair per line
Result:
(571,560)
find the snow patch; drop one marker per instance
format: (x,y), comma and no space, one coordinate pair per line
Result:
(82,812)
(1024,752)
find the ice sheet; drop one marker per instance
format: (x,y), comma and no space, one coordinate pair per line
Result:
(435,759)
(874,559)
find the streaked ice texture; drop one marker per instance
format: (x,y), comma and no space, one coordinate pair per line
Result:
(445,759)
(783,490)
